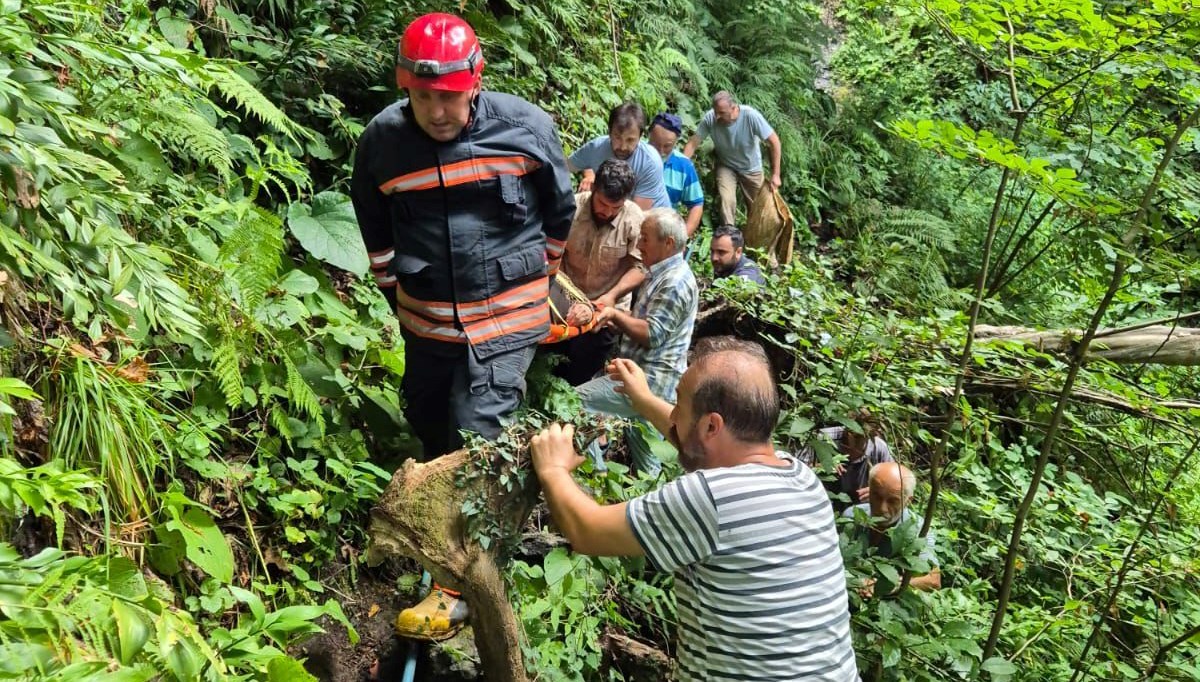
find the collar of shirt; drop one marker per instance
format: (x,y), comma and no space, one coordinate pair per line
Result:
(665,265)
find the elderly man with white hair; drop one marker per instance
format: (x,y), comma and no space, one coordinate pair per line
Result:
(657,332)
(891,525)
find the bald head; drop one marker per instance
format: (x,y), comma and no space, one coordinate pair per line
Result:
(891,487)
(734,380)
(893,477)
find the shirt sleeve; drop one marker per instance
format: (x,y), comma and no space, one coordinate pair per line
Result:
(760,126)
(705,128)
(555,197)
(588,157)
(374,217)
(676,525)
(693,193)
(667,310)
(648,175)
(878,451)
(634,231)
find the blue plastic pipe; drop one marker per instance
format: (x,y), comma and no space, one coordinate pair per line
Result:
(414,647)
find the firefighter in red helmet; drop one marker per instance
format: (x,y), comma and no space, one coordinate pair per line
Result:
(464,203)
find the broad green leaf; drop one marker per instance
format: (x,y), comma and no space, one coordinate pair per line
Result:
(329,230)
(132,630)
(999,668)
(299,283)
(557,566)
(252,601)
(204,544)
(125,579)
(17,658)
(285,669)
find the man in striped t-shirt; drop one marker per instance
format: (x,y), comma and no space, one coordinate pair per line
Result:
(748,533)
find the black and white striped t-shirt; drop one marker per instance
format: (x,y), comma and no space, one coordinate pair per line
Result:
(759,581)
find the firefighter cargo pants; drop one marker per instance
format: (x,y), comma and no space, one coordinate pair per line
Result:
(447,391)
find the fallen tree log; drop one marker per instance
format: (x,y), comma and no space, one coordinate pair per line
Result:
(1156,344)
(420,516)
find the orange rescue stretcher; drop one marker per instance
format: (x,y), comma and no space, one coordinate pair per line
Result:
(564,296)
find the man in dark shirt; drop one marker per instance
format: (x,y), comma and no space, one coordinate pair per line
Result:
(728,256)
(861,450)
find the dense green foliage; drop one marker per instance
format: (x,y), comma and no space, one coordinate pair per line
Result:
(195,380)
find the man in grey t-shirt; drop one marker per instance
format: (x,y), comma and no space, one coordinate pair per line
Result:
(626,123)
(738,132)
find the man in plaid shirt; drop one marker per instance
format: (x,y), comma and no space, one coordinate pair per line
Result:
(656,334)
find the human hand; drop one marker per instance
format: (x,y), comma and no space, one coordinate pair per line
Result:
(630,378)
(605,301)
(776,181)
(585,184)
(604,316)
(839,469)
(579,314)
(554,448)
(867,589)
(864,494)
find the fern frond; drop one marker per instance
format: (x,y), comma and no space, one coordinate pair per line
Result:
(302,395)
(182,129)
(251,253)
(928,229)
(237,89)
(227,367)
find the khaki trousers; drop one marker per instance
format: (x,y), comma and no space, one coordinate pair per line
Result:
(728,182)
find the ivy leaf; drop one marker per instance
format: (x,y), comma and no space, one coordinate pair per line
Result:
(329,231)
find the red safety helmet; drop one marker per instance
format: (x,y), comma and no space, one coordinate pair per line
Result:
(439,52)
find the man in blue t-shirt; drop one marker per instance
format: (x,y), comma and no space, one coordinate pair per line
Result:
(626,124)
(738,132)
(683,183)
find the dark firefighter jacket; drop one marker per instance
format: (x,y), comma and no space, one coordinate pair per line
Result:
(466,233)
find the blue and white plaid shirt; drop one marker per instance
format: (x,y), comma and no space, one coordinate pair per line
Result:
(667,301)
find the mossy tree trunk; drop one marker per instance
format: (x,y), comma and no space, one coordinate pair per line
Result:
(420,516)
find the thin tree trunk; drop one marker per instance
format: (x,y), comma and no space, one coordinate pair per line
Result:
(1077,360)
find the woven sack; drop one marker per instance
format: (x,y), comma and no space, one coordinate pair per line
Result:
(770,226)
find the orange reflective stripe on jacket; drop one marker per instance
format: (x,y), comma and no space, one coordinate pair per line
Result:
(512,311)
(460,173)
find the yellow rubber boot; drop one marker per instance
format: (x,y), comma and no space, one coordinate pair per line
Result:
(437,617)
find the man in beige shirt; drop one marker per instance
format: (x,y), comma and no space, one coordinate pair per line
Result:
(603,260)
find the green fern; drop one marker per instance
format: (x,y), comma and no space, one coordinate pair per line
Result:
(251,255)
(179,127)
(237,89)
(228,369)
(302,395)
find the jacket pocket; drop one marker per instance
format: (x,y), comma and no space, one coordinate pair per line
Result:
(522,264)
(410,270)
(512,193)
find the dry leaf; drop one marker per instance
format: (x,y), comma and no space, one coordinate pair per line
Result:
(82,351)
(373,610)
(136,371)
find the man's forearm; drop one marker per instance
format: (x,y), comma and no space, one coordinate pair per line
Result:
(694,215)
(633,327)
(566,502)
(689,149)
(776,155)
(654,410)
(630,280)
(928,582)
